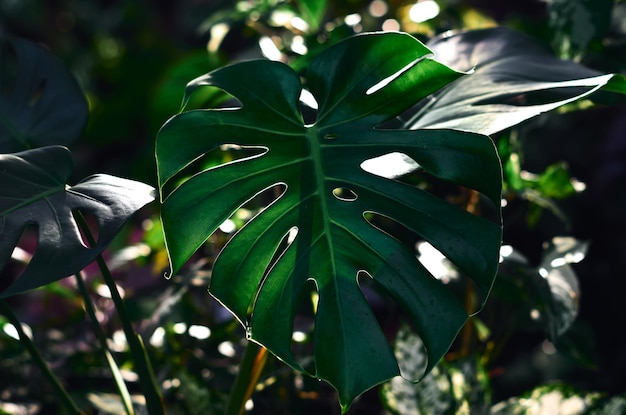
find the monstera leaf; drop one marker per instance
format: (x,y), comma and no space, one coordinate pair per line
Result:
(326,201)
(514,78)
(34,192)
(40,101)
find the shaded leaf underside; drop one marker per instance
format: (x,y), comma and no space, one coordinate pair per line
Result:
(514,78)
(34,192)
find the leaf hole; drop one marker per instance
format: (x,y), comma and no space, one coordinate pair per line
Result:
(264,198)
(302,344)
(391,227)
(25,246)
(88,228)
(285,243)
(436,263)
(211,97)
(379,302)
(308,107)
(450,275)
(224,154)
(280,250)
(344,194)
(539,97)
(391,165)
(386,81)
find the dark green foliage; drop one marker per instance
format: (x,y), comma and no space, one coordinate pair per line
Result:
(358,84)
(366,175)
(35,192)
(40,101)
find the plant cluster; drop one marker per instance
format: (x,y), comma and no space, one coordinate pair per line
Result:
(352,199)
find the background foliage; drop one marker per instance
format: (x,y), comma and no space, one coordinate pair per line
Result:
(564,172)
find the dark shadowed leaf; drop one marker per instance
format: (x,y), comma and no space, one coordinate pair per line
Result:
(34,192)
(548,293)
(316,235)
(563,300)
(40,101)
(515,78)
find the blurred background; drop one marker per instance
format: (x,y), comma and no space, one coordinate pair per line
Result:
(133,59)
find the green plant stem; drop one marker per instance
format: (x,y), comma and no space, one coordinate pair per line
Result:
(117,376)
(468,328)
(147,380)
(250,368)
(29,345)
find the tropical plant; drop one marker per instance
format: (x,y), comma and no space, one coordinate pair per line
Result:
(322,226)
(364,189)
(330,166)
(42,105)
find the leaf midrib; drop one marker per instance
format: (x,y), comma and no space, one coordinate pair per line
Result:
(315,150)
(39,196)
(315,147)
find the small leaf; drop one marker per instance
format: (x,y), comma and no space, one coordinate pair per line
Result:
(563,301)
(312,12)
(549,291)
(556,182)
(34,191)
(40,101)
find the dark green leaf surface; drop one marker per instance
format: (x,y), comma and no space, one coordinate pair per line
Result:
(515,78)
(34,191)
(358,84)
(40,101)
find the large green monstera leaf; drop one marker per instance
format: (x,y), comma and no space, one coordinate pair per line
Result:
(34,192)
(326,199)
(40,101)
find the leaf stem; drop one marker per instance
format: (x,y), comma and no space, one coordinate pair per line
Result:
(147,380)
(29,345)
(468,328)
(115,370)
(250,368)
